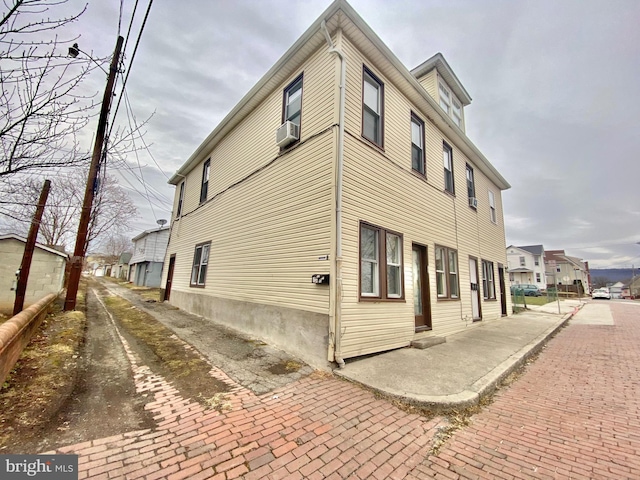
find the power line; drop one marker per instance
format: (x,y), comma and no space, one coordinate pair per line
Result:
(140,136)
(133,55)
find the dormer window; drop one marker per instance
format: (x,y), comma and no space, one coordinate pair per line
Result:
(450,104)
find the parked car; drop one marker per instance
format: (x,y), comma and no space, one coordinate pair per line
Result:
(601,293)
(529,290)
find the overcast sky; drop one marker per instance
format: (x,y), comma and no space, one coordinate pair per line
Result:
(554,86)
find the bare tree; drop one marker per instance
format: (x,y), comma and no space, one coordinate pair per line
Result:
(115,245)
(41,107)
(113,211)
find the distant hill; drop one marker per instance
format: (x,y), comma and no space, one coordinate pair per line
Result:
(614,274)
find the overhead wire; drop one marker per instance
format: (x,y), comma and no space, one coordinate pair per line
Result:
(133,56)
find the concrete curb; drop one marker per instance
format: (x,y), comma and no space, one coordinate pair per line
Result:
(16,332)
(483,386)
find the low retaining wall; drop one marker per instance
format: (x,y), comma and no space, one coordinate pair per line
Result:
(16,332)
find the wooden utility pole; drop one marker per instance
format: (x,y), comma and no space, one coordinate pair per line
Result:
(25,266)
(89,193)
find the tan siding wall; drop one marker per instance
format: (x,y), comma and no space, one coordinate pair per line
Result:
(380,188)
(252,145)
(269,229)
(430,83)
(266,234)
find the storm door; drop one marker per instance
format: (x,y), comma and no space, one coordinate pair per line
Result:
(421,302)
(475,289)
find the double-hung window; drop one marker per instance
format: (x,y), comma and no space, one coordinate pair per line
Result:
(180,200)
(523,262)
(447,160)
(200,262)
(471,185)
(488,285)
(447,284)
(456,112)
(492,207)
(204,188)
(381,263)
(450,104)
(292,108)
(417,145)
(445,98)
(372,107)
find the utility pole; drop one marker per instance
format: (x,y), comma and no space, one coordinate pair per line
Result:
(25,266)
(89,193)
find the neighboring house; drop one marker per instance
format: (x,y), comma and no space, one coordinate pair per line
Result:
(526,265)
(46,274)
(149,249)
(121,268)
(616,290)
(571,273)
(336,228)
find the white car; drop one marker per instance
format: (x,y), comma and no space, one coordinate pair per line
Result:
(601,293)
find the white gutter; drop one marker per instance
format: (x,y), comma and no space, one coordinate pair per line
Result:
(339,169)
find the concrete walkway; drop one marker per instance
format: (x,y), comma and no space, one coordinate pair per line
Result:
(468,365)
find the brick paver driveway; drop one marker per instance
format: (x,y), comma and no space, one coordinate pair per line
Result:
(573,414)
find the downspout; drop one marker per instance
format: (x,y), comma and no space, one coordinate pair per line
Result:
(340,163)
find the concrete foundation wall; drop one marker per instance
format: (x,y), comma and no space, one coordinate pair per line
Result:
(298,332)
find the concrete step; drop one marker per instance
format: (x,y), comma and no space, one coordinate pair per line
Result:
(427,342)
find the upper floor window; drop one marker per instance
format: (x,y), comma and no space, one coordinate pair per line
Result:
(293,102)
(381,263)
(471,185)
(447,158)
(204,188)
(488,284)
(492,207)
(450,104)
(523,262)
(180,200)
(372,107)
(447,285)
(200,263)
(417,145)
(537,261)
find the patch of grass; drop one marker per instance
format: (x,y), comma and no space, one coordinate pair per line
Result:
(181,365)
(43,377)
(285,367)
(543,300)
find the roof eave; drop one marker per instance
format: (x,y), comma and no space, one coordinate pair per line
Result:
(259,92)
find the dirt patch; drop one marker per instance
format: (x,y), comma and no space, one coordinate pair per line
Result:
(75,370)
(42,379)
(285,367)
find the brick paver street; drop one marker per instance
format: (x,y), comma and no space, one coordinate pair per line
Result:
(573,414)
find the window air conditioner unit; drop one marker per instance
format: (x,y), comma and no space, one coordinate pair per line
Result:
(287,133)
(473,202)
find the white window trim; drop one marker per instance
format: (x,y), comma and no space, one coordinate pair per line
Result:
(450,99)
(492,207)
(374,261)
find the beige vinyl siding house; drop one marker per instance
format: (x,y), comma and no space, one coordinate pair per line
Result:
(332,203)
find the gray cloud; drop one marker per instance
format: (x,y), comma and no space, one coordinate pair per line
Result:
(553,84)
